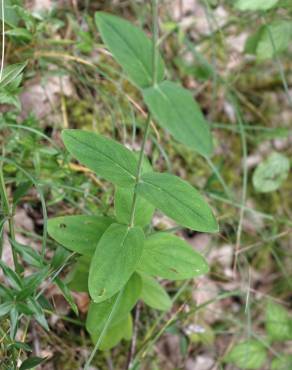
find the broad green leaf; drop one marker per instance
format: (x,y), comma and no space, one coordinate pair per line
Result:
(131,48)
(78,277)
(121,330)
(10,15)
(247,355)
(79,233)
(115,259)
(98,313)
(284,362)
(170,257)
(255,4)
(274,39)
(178,200)
(175,110)
(154,295)
(11,72)
(271,173)
(278,324)
(106,157)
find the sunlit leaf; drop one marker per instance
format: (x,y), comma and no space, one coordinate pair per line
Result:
(106,157)
(247,355)
(154,295)
(98,313)
(271,173)
(170,257)
(130,47)
(115,259)
(79,233)
(255,4)
(175,109)
(178,200)
(278,323)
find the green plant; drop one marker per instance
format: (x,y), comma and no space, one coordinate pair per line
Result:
(121,256)
(253,353)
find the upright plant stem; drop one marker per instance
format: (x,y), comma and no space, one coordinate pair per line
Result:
(139,170)
(148,122)
(102,334)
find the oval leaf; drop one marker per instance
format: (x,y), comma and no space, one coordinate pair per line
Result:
(170,257)
(154,295)
(114,334)
(78,233)
(115,259)
(178,200)
(284,362)
(98,313)
(131,48)
(176,111)
(270,174)
(247,355)
(255,4)
(106,157)
(278,323)
(274,38)
(78,277)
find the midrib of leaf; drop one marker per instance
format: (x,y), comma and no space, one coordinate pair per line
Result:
(103,154)
(136,55)
(172,196)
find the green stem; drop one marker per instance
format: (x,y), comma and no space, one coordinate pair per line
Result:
(148,122)
(102,334)
(139,170)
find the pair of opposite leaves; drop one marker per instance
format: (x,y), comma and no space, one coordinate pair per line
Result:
(133,51)
(171,105)
(163,255)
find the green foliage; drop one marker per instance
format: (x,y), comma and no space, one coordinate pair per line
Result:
(247,355)
(31,363)
(282,363)
(154,295)
(252,354)
(99,312)
(177,112)
(111,267)
(278,322)
(130,47)
(115,162)
(123,207)
(255,4)
(170,257)
(273,39)
(271,173)
(178,200)
(79,233)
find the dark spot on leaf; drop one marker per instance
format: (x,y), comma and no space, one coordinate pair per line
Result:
(173,270)
(102,292)
(63,226)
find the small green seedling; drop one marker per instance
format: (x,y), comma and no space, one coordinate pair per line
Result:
(120,258)
(253,353)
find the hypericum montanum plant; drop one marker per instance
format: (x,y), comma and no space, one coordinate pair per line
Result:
(119,258)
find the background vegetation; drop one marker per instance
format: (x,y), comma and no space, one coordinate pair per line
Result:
(236,61)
